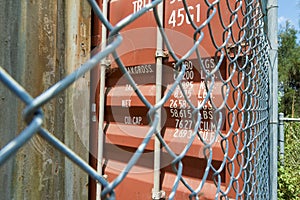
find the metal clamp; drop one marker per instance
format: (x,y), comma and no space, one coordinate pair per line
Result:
(106,63)
(158,195)
(162,53)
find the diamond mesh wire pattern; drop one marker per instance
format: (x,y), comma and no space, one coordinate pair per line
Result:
(244,106)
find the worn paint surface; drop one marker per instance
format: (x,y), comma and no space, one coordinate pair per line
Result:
(126,116)
(9,59)
(78,15)
(40,46)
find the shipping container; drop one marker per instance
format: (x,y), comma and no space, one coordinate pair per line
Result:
(126,122)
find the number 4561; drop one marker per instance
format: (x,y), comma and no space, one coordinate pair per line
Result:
(178,17)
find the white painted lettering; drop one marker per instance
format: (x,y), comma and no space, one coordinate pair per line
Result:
(136,120)
(128,87)
(140,69)
(207,105)
(209,63)
(126,103)
(139,4)
(209,136)
(207,114)
(207,126)
(178,17)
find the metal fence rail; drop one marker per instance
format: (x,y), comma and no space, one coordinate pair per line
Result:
(243,109)
(281,120)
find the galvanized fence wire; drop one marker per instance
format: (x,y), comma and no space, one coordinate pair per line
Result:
(244,107)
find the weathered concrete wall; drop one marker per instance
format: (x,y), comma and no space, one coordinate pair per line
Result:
(40,43)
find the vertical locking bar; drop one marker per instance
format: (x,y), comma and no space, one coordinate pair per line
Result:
(101,101)
(156,192)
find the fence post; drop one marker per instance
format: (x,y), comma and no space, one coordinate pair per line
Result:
(281,138)
(272,15)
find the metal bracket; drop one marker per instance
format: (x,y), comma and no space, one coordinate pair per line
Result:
(162,53)
(231,48)
(158,195)
(105,176)
(106,62)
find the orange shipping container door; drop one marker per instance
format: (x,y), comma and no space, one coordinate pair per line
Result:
(125,114)
(179,127)
(126,123)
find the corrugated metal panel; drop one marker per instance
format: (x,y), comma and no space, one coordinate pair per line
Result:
(127,126)
(9,23)
(77,51)
(139,37)
(126,116)
(180,32)
(37,43)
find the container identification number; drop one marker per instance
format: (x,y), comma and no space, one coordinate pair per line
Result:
(178,16)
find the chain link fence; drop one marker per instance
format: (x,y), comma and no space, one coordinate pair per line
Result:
(232,99)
